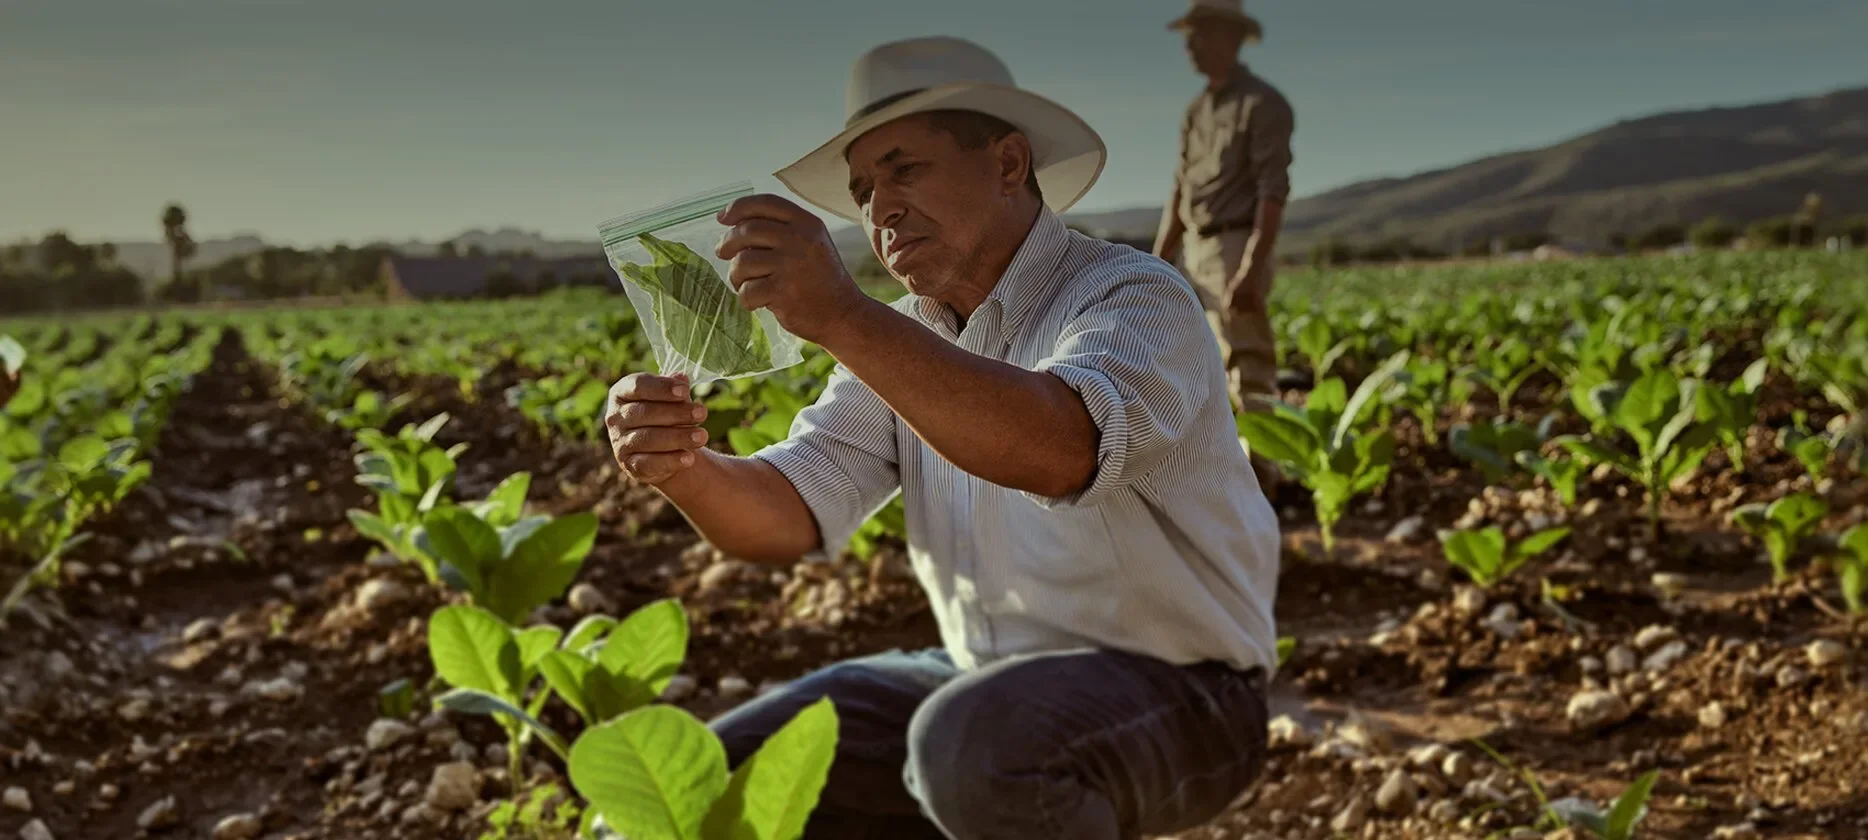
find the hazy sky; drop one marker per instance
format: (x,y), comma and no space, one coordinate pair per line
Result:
(311,121)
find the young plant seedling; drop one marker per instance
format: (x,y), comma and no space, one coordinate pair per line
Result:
(1318,344)
(1493,447)
(410,475)
(1656,413)
(1486,556)
(1852,563)
(1562,474)
(507,567)
(492,669)
(1629,809)
(1326,444)
(1732,409)
(607,668)
(1502,368)
(1810,450)
(658,773)
(1782,526)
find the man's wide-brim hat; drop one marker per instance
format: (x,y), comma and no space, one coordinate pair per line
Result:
(919,75)
(1231,11)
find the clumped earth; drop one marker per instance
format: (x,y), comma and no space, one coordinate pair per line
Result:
(212,662)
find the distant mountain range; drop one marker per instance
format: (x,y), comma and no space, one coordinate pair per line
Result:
(1742,163)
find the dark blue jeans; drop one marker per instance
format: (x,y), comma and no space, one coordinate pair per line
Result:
(1074,745)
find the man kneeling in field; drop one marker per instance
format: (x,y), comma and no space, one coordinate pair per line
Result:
(1054,412)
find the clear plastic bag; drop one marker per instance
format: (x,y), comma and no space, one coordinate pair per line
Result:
(694,321)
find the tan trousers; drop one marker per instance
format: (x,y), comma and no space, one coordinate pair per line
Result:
(1245,336)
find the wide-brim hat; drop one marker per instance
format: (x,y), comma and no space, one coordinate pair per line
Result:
(1221,10)
(919,75)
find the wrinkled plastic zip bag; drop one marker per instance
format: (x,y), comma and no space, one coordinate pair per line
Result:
(694,321)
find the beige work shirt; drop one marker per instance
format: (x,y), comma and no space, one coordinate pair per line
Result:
(1235,152)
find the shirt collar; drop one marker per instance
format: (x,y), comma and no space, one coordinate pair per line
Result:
(1027,282)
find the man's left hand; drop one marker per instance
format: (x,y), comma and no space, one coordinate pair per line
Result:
(783,260)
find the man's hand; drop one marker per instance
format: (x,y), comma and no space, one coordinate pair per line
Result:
(654,426)
(783,260)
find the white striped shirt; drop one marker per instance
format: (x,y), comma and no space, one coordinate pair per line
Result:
(1171,551)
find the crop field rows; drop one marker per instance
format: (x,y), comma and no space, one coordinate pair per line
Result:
(1554,533)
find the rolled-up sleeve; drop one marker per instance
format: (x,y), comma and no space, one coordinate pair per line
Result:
(841,456)
(1268,144)
(1139,358)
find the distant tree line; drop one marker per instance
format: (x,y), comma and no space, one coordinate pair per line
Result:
(58,273)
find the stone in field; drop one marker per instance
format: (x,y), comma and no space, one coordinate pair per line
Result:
(587,599)
(238,827)
(1398,794)
(454,787)
(385,733)
(17,799)
(161,814)
(35,830)
(1823,653)
(1654,635)
(1712,715)
(1621,660)
(1589,710)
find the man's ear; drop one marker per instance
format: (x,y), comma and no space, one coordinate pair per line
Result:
(1014,162)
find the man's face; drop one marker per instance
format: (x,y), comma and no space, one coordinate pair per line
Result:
(928,204)
(1213,46)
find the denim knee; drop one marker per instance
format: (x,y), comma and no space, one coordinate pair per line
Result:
(970,763)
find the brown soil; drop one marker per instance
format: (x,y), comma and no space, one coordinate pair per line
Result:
(109,708)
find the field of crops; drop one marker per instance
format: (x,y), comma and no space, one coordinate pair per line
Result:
(1556,532)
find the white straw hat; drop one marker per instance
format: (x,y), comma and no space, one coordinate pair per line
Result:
(942,73)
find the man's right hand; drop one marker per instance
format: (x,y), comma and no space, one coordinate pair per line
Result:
(654,426)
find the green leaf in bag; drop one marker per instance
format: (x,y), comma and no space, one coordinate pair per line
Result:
(697,311)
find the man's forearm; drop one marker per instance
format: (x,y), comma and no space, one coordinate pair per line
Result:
(1262,247)
(1013,427)
(745,507)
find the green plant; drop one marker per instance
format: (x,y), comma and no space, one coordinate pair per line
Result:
(1782,526)
(1657,414)
(1852,567)
(1325,444)
(1732,408)
(606,668)
(547,814)
(1421,388)
(1502,367)
(1494,446)
(493,668)
(1810,449)
(1486,556)
(658,773)
(1562,474)
(1627,812)
(569,404)
(368,411)
(509,566)
(1318,343)
(410,475)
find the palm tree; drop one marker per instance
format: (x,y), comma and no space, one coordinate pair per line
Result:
(181,245)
